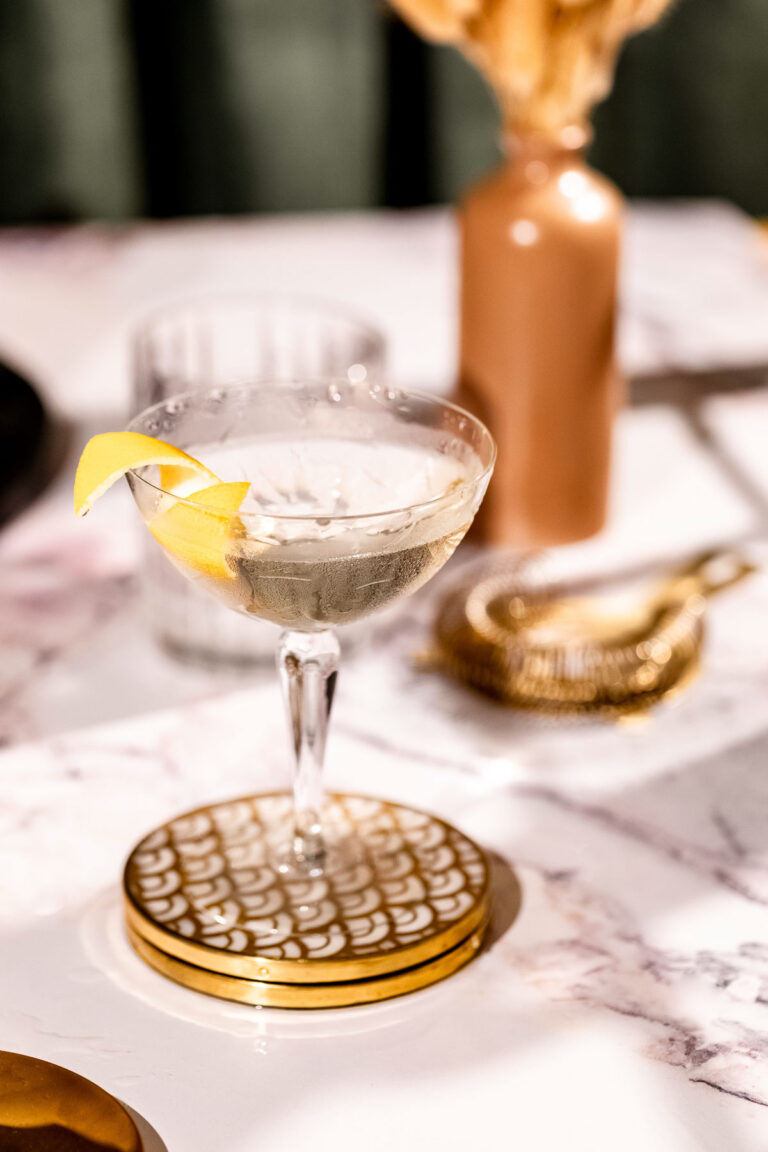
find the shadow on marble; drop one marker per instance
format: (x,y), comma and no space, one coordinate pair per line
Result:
(660,855)
(150,1140)
(507,899)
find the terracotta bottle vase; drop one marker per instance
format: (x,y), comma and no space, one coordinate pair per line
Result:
(540,247)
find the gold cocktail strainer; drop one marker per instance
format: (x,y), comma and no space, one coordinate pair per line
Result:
(519,634)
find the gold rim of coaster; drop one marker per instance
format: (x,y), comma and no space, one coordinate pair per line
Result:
(204,890)
(45,1100)
(268,994)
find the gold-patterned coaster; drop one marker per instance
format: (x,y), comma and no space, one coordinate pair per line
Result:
(207,903)
(44,1108)
(276,995)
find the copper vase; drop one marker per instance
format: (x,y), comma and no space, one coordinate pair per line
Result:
(540,248)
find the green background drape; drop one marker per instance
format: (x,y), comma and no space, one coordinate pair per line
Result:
(119,108)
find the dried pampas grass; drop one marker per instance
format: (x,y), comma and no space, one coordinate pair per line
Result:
(549,61)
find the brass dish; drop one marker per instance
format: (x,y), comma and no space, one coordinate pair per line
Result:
(44,1107)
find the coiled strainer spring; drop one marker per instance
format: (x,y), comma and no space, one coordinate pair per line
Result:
(541,644)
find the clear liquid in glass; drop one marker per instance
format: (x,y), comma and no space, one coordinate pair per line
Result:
(317,571)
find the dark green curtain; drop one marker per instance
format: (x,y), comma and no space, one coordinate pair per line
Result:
(119,108)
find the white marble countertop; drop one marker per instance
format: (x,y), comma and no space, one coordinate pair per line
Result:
(628,1005)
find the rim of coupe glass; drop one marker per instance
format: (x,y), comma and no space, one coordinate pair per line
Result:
(185,307)
(430,398)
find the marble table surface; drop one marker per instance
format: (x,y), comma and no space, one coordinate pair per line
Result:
(627,1006)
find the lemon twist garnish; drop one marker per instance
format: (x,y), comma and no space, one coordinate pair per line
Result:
(110,455)
(195,530)
(199,537)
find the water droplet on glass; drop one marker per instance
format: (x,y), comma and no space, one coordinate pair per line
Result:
(537,172)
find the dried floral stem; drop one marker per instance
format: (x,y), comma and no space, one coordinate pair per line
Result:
(549,61)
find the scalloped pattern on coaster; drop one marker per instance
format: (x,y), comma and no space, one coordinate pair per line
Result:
(207,889)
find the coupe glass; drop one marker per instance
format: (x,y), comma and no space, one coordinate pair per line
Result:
(359,494)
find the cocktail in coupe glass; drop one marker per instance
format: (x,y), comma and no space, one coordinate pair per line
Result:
(358,495)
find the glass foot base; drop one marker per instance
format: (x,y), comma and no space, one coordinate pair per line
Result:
(341,853)
(213,901)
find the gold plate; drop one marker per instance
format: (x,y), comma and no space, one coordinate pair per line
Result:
(45,1107)
(205,890)
(275,995)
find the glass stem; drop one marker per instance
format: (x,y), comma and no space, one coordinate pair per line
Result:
(308,663)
